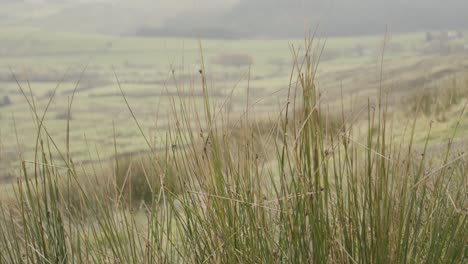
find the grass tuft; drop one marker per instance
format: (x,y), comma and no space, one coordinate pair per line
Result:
(304,189)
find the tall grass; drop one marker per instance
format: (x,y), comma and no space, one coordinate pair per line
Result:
(235,192)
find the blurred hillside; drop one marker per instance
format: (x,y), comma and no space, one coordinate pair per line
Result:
(114,17)
(235,18)
(281,18)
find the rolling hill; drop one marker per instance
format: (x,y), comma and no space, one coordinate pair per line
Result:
(280,18)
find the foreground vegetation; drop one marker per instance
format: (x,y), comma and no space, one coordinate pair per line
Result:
(299,189)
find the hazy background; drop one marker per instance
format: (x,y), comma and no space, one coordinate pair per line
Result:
(153,47)
(235,18)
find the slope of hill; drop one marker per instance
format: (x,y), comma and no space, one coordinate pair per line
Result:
(102,16)
(234,18)
(280,18)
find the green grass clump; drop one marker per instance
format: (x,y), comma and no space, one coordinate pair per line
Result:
(298,194)
(138,180)
(435,102)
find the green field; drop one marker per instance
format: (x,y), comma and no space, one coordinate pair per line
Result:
(350,150)
(119,148)
(154,70)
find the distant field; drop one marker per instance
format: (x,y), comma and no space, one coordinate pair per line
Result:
(154,70)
